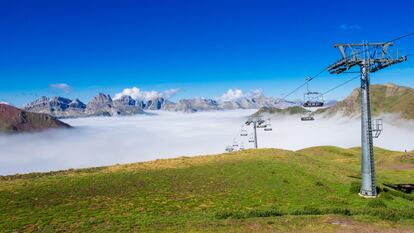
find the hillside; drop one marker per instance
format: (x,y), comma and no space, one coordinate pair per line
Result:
(269,190)
(387,98)
(15,120)
(286,111)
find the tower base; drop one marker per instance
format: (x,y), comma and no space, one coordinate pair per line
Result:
(367,196)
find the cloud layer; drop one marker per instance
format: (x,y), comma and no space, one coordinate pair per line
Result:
(105,141)
(139,94)
(235,94)
(61,86)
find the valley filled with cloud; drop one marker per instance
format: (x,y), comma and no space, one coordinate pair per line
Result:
(98,141)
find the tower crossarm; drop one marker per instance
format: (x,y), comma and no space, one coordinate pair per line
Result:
(376,55)
(379,64)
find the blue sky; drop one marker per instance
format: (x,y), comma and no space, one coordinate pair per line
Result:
(201,47)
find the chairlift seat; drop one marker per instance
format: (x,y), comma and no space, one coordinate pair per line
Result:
(307,118)
(313,104)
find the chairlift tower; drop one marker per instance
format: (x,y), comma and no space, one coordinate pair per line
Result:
(370,57)
(258,123)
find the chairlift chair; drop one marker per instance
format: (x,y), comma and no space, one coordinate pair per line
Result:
(268,126)
(229,148)
(243,132)
(377,127)
(307,116)
(261,123)
(313,100)
(251,139)
(235,143)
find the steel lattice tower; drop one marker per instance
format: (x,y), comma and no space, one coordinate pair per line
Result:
(370,57)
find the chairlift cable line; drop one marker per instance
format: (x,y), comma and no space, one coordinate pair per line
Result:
(303,84)
(340,85)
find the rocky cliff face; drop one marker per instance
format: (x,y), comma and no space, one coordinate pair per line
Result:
(16,120)
(197,104)
(56,106)
(100,105)
(126,106)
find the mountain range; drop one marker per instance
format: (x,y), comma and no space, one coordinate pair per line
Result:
(387,98)
(104,105)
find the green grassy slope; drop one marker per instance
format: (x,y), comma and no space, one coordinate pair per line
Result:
(287,111)
(250,191)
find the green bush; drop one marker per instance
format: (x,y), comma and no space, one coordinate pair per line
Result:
(341,211)
(399,194)
(355,187)
(308,210)
(318,183)
(376,203)
(264,213)
(223,214)
(387,196)
(249,214)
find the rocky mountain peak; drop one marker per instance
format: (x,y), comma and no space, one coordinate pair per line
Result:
(76,103)
(125,100)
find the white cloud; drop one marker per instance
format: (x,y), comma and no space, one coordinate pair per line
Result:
(232,94)
(257,93)
(347,27)
(3,102)
(61,86)
(235,94)
(99,141)
(139,94)
(170,93)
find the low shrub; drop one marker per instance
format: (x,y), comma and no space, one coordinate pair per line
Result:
(387,196)
(376,203)
(341,211)
(271,212)
(318,183)
(396,193)
(355,187)
(308,210)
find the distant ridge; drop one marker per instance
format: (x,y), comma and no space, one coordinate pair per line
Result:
(104,105)
(16,120)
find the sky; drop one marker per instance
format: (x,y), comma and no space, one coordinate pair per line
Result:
(76,48)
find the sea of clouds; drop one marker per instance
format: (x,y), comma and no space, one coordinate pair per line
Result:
(101,141)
